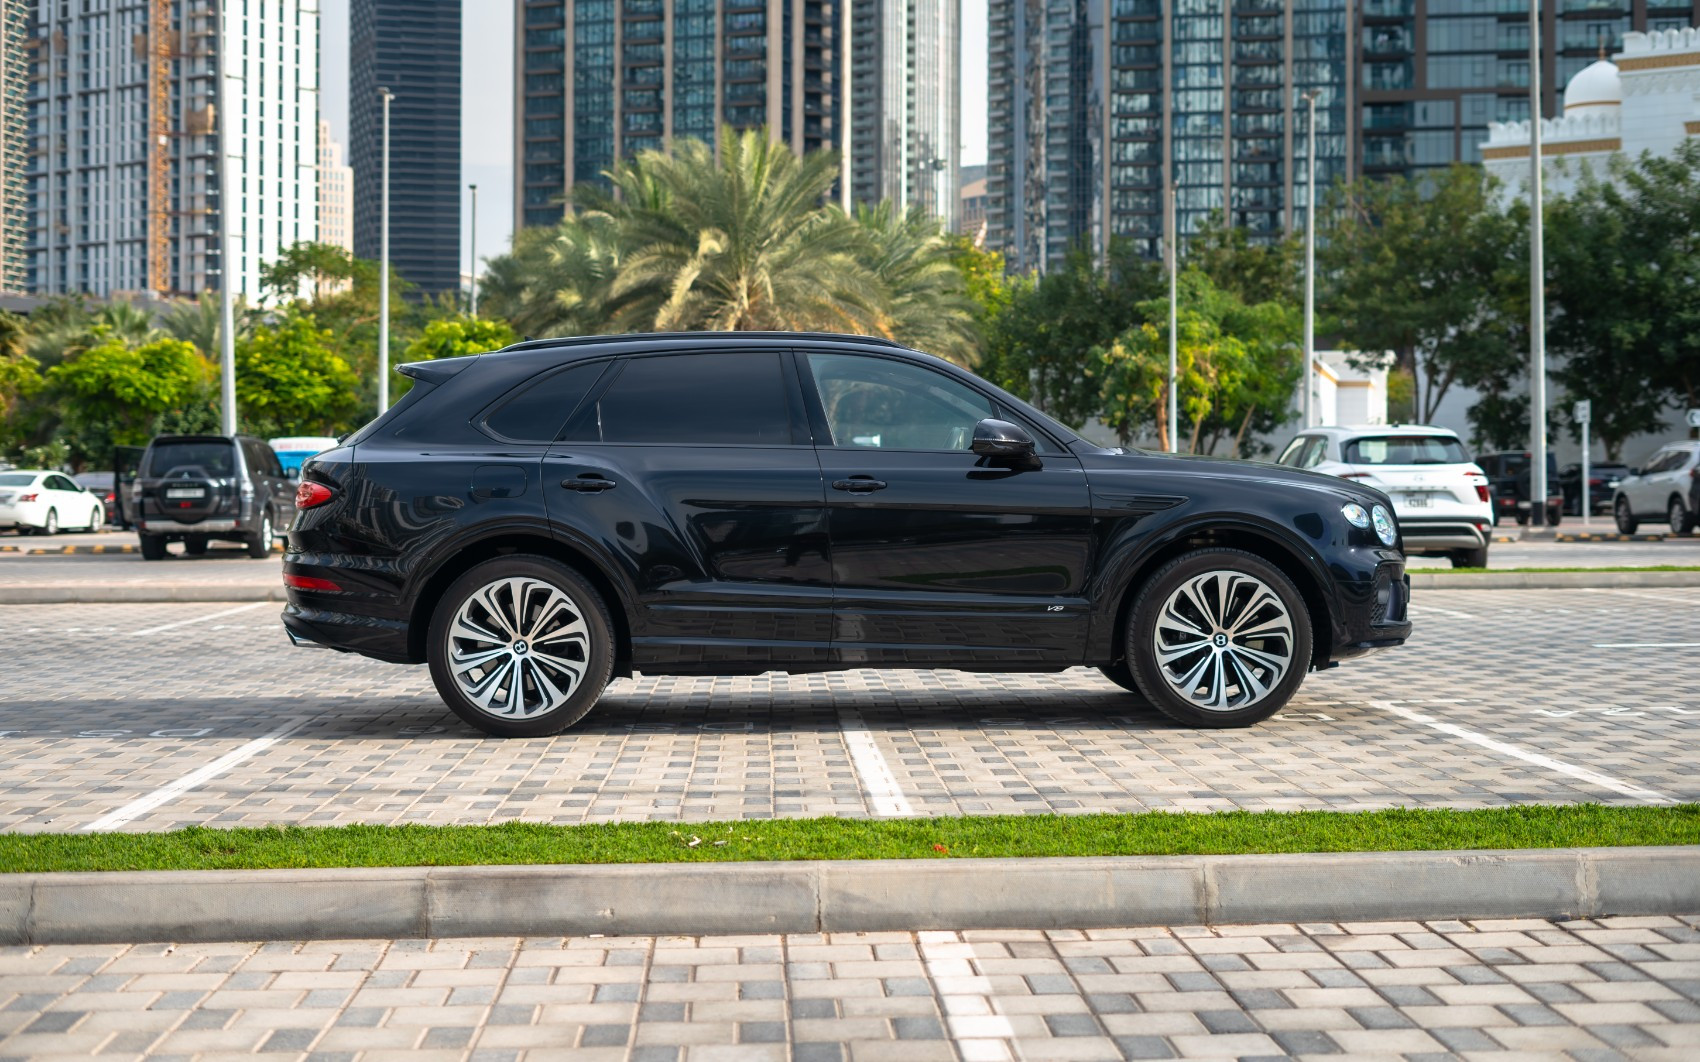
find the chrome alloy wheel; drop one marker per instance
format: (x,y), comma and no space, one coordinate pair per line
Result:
(518,647)
(1223,640)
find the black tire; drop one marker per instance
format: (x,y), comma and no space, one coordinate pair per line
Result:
(195,546)
(1283,602)
(1620,511)
(1681,520)
(260,545)
(1469,558)
(595,651)
(1522,517)
(1122,675)
(1555,515)
(153,547)
(51,527)
(97,520)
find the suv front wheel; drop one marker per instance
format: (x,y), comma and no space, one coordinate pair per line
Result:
(1219,638)
(521,646)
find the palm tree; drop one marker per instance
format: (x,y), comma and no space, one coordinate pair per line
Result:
(555,281)
(737,243)
(197,323)
(923,302)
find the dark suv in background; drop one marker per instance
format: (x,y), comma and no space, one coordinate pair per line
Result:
(535,521)
(196,489)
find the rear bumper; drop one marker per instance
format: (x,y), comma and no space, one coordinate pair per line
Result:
(316,628)
(215,526)
(1424,535)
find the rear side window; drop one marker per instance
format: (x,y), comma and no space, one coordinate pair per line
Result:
(736,398)
(1405,450)
(16,479)
(537,411)
(188,459)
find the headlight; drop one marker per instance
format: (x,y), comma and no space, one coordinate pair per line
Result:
(1355,514)
(1384,526)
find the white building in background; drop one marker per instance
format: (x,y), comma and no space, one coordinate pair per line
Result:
(128,97)
(336,193)
(1645,99)
(1344,394)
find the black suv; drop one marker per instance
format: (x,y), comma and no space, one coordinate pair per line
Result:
(194,489)
(535,521)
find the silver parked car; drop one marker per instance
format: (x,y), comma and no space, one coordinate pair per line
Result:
(1666,486)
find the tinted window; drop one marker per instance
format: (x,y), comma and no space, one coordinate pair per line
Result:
(693,399)
(537,412)
(60,483)
(1405,450)
(891,405)
(1290,456)
(185,459)
(16,479)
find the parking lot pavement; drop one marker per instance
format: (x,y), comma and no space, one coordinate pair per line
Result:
(144,717)
(1613,988)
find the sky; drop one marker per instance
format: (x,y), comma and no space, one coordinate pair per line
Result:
(487,105)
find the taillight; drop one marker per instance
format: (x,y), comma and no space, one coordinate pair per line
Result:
(1481,492)
(309,582)
(28,497)
(309,495)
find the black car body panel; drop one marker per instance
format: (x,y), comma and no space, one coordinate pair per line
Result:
(795,554)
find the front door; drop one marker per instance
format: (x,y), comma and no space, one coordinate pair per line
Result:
(939,555)
(697,473)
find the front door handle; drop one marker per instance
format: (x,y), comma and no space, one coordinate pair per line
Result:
(859,484)
(590,483)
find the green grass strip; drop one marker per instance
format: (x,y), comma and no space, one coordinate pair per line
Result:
(1150,833)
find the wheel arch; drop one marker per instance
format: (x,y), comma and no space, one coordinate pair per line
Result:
(509,544)
(1287,558)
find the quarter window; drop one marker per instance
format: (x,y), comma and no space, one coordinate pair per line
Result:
(888,405)
(537,412)
(733,399)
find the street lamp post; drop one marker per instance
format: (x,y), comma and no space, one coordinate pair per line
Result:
(228,213)
(384,263)
(1174,300)
(472,268)
(1310,255)
(1537,288)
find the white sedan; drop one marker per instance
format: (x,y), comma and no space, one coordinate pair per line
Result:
(1440,497)
(44,502)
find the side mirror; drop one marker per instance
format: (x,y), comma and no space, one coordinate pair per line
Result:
(1000,438)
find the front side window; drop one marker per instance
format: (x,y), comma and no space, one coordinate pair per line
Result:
(879,403)
(737,399)
(1290,456)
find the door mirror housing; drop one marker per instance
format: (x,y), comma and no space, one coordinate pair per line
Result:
(1000,438)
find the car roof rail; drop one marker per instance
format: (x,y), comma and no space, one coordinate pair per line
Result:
(715,336)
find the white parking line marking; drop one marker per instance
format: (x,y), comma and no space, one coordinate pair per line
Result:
(1581,773)
(201,619)
(885,796)
(1647,645)
(194,779)
(980,1034)
(1683,600)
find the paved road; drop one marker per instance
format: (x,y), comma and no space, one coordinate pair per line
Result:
(146,717)
(1617,988)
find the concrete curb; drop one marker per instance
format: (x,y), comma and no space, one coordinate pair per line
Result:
(844,896)
(1421,580)
(140,593)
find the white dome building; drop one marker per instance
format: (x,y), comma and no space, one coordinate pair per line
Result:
(1647,98)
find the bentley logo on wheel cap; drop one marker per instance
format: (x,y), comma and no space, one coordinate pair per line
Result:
(520,647)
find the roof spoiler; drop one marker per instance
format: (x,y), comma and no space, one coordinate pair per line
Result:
(435,372)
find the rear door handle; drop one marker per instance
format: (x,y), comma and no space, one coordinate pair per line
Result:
(589,484)
(859,484)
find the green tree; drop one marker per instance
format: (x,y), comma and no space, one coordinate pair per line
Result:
(289,380)
(20,377)
(984,277)
(922,299)
(1268,271)
(1430,270)
(555,281)
(114,394)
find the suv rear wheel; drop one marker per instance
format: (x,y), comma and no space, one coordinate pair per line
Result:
(1469,558)
(1626,522)
(153,547)
(1681,520)
(1219,638)
(260,546)
(521,646)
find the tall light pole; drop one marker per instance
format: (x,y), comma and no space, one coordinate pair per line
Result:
(1310,254)
(1537,288)
(472,297)
(227,215)
(384,263)
(1174,300)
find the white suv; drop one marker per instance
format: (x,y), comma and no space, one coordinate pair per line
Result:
(1440,496)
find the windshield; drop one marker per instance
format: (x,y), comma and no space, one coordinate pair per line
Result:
(1406,450)
(16,479)
(181,460)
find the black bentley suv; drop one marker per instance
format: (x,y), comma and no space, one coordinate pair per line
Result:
(536,521)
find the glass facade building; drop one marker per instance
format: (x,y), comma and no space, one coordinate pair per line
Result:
(411,47)
(1436,72)
(1096,104)
(14,147)
(599,80)
(905,121)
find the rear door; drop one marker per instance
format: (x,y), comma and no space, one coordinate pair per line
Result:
(190,480)
(696,470)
